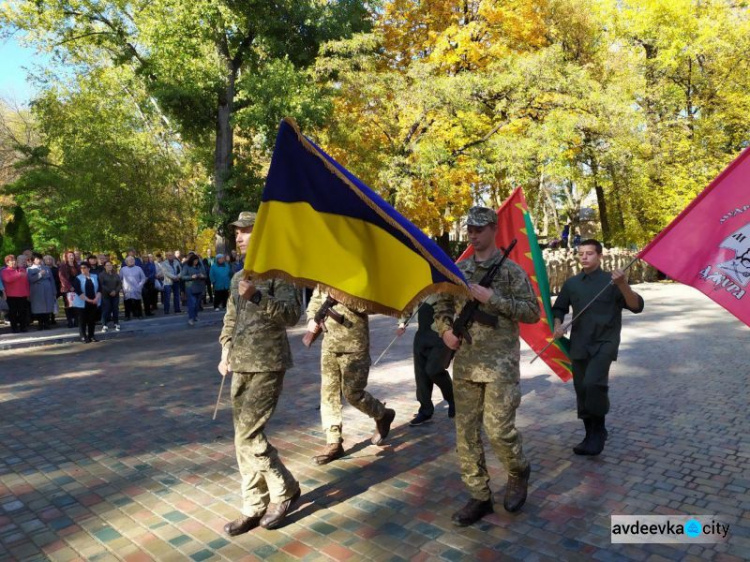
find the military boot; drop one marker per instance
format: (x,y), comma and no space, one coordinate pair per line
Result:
(332,452)
(472,512)
(580,449)
(383,427)
(598,437)
(276,512)
(516,490)
(241,525)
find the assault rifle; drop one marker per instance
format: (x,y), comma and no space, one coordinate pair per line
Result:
(470,311)
(325,311)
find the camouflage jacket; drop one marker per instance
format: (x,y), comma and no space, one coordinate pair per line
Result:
(351,336)
(256,333)
(496,352)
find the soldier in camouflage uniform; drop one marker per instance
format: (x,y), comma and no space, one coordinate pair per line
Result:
(486,373)
(344,368)
(256,349)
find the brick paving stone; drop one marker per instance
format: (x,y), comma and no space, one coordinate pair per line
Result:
(137,557)
(65,554)
(297,549)
(146,474)
(338,552)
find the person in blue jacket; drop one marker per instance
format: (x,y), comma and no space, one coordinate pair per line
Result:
(221,277)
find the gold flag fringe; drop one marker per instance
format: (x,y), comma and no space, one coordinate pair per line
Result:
(356,302)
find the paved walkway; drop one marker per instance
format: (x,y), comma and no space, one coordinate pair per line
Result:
(60,333)
(108,452)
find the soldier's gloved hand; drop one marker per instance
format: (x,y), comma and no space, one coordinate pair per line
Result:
(482,294)
(247,289)
(451,340)
(311,325)
(560,331)
(224,366)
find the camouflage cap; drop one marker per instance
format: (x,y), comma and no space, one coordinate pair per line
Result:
(245,219)
(481,216)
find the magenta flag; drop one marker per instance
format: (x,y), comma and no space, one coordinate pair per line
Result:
(708,245)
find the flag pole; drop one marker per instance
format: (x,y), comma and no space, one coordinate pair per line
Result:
(218,398)
(245,277)
(384,351)
(568,324)
(397,336)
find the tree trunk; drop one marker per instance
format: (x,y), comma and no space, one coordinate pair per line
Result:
(445,244)
(619,218)
(602,203)
(223,157)
(551,210)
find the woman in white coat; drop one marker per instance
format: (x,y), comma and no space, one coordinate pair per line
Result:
(133,280)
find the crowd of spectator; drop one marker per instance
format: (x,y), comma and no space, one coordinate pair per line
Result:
(32,287)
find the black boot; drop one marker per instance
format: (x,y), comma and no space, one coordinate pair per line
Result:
(516,490)
(383,426)
(598,437)
(580,449)
(472,512)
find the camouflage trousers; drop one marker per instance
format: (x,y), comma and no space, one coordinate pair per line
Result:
(493,404)
(264,477)
(345,373)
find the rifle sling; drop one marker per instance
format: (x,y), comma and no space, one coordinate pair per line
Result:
(335,316)
(485,318)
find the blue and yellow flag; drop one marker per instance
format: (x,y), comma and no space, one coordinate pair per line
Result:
(319,225)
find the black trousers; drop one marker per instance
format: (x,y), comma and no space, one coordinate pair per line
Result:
(42,319)
(220,298)
(18,313)
(87,317)
(133,307)
(430,370)
(149,295)
(591,382)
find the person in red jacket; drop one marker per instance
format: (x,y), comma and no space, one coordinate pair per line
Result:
(16,285)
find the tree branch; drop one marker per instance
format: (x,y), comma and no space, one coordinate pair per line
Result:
(479,141)
(77,37)
(118,31)
(244,46)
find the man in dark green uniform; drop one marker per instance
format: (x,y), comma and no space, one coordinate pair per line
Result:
(595,337)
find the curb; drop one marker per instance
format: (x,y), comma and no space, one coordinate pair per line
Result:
(143,327)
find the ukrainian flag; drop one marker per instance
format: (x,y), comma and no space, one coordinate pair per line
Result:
(319,225)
